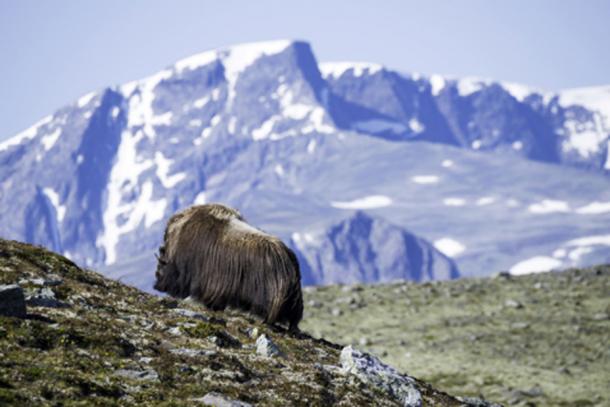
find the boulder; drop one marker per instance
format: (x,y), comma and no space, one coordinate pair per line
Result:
(372,371)
(12,301)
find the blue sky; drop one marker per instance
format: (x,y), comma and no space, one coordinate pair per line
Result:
(55,51)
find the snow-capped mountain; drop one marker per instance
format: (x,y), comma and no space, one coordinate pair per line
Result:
(493,174)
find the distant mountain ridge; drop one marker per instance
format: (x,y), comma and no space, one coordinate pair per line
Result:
(267,129)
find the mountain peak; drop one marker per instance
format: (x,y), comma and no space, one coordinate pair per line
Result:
(236,57)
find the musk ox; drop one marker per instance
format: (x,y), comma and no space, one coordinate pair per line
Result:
(211,254)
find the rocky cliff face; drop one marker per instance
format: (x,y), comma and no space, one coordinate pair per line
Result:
(71,335)
(368,249)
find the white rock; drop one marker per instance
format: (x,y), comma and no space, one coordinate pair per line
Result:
(371,370)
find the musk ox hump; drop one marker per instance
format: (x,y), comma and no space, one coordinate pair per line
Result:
(213,255)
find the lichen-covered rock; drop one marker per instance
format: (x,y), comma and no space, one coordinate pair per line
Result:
(143,375)
(220,400)
(265,347)
(369,369)
(12,301)
(45,297)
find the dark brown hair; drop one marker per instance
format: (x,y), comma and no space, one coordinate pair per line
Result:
(210,253)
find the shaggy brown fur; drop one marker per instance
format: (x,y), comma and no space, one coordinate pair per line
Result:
(211,254)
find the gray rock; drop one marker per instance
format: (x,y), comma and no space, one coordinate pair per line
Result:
(372,371)
(602,316)
(336,312)
(220,400)
(187,313)
(45,297)
(53,280)
(143,375)
(520,325)
(265,347)
(12,301)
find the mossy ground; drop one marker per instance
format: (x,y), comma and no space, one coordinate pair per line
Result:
(83,353)
(540,339)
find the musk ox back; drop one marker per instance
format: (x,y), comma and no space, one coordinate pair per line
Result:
(211,254)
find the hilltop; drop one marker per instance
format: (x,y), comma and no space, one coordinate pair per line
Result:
(90,340)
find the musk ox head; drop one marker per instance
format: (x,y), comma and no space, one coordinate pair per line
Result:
(211,254)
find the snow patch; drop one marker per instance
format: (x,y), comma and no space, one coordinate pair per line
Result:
(425,179)
(447,163)
(486,200)
(593,98)
(232,124)
(454,202)
(311,146)
(114,112)
(141,98)
(518,91)
(367,202)
(196,61)
(53,196)
(48,141)
(476,144)
(549,206)
(536,264)
(449,247)
(600,240)
(27,134)
(469,85)
(265,129)
(85,99)
(279,170)
(124,211)
(200,199)
(195,123)
(518,145)
(304,239)
(437,83)
(236,59)
(594,208)
(163,167)
(199,103)
(416,126)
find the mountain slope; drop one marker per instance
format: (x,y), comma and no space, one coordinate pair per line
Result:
(295,144)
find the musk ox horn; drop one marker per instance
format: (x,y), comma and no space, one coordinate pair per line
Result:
(211,254)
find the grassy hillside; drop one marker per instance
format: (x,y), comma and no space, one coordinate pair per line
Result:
(88,340)
(540,339)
